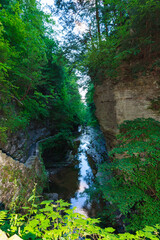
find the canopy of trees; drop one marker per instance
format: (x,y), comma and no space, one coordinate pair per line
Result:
(117,31)
(35,79)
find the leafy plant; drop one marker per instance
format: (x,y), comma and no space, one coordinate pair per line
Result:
(36,83)
(135,185)
(57,221)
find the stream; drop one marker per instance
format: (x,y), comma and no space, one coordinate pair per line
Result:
(70,179)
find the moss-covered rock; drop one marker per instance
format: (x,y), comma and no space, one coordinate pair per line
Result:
(18,180)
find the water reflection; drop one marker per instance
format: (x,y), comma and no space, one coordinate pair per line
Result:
(71,181)
(65,182)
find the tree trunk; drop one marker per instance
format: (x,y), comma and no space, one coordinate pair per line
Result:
(97,20)
(105,18)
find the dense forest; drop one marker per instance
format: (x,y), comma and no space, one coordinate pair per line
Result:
(113,40)
(113,32)
(36,80)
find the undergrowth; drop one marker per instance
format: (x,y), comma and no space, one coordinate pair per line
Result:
(56,221)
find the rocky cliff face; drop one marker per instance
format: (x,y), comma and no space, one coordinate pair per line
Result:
(17,180)
(20,145)
(125,100)
(21,166)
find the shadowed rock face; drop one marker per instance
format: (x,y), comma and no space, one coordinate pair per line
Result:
(116,103)
(105,103)
(20,145)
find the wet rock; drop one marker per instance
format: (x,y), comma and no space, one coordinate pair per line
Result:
(94,171)
(13,149)
(51,196)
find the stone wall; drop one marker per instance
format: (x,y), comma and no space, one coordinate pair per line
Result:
(125,100)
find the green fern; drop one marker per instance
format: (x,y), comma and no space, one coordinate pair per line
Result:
(135,185)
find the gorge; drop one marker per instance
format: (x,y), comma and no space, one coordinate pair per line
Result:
(45,160)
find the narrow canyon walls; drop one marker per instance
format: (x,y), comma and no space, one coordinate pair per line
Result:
(125,100)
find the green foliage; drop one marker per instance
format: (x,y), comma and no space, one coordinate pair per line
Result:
(3,135)
(57,221)
(135,185)
(90,111)
(34,77)
(119,31)
(60,142)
